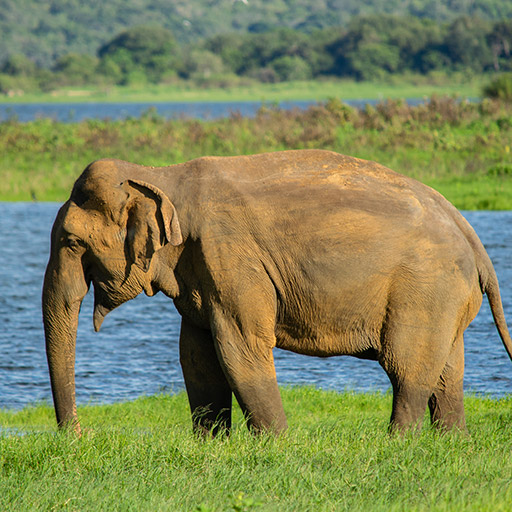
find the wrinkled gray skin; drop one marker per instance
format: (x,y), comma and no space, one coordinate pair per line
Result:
(309,251)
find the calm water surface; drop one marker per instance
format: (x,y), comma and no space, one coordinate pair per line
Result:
(136,352)
(68,112)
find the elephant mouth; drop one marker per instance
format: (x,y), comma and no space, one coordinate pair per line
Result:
(108,296)
(102,306)
(100,312)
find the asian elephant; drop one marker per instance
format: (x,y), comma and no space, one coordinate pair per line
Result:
(309,251)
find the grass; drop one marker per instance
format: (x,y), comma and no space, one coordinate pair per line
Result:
(462,149)
(285,91)
(336,455)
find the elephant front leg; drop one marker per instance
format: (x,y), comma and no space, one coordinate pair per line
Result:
(209,393)
(245,352)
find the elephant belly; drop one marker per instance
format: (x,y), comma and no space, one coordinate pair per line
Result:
(323,335)
(353,344)
(335,314)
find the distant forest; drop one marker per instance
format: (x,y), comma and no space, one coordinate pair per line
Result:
(44,46)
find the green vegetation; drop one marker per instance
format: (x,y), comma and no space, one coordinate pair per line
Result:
(376,47)
(460,148)
(312,90)
(45,31)
(337,455)
(500,88)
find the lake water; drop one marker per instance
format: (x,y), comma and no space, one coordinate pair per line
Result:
(136,352)
(68,112)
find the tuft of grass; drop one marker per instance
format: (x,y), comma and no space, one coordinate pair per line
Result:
(336,455)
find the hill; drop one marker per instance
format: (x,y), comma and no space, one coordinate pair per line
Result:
(44,31)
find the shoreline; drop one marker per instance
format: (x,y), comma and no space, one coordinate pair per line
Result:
(319,90)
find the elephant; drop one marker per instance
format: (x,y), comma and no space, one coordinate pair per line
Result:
(305,250)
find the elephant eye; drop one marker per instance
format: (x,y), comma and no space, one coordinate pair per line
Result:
(73,243)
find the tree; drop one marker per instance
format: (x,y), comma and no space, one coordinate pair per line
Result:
(19,65)
(201,65)
(432,59)
(291,67)
(231,48)
(500,43)
(19,74)
(109,71)
(150,50)
(76,69)
(375,60)
(253,54)
(375,45)
(466,44)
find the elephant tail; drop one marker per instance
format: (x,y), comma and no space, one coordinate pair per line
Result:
(489,286)
(488,283)
(487,275)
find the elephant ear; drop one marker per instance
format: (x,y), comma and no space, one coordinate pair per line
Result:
(152,223)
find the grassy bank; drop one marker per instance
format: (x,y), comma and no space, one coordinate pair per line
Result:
(336,456)
(462,149)
(285,91)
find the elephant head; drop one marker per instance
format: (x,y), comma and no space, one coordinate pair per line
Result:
(107,233)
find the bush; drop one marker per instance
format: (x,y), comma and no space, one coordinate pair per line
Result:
(502,169)
(500,88)
(16,85)
(75,69)
(291,67)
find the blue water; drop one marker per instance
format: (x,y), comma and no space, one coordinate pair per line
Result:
(68,112)
(136,352)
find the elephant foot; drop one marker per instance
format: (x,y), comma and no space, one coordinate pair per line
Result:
(206,426)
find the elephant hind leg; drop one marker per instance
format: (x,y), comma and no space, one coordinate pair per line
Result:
(446,403)
(413,355)
(208,391)
(409,405)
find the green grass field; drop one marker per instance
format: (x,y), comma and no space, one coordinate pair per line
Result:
(417,87)
(336,455)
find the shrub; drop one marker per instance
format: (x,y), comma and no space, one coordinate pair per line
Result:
(500,88)
(502,169)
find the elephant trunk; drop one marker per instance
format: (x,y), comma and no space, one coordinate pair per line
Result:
(63,291)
